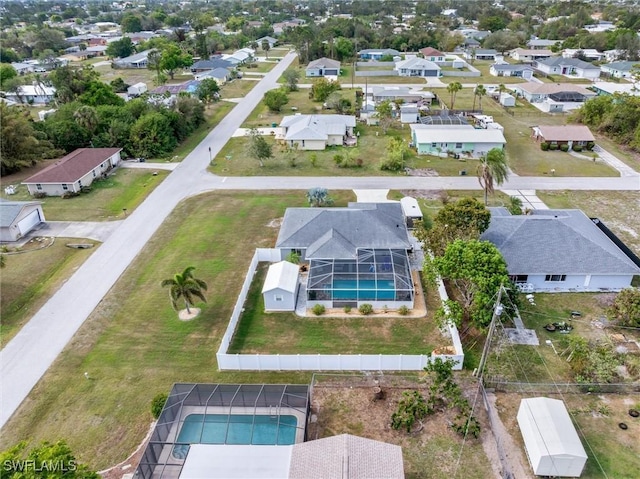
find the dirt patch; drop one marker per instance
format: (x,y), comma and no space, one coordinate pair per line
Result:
(185,315)
(275,223)
(424,172)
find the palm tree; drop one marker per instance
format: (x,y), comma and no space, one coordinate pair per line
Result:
(266,46)
(184,285)
(479,92)
(86,117)
(453,88)
(493,169)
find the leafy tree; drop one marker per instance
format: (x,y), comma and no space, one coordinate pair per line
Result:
(153,63)
(319,197)
(344,48)
(626,308)
(384,111)
(493,23)
(453,88)
(173,59)
(208,91)
(235,23)
(7,72)
(397,149)
(629,46)
(131,24)
(71,82)
(67,134)
(292,77)
(493,168)
(120,48)
(87,118)
(502,41)
(276,99)
(476,270)
(8,56)
(185,286)
(259,148)
(118,85)
(412,408)
(99,93)
(43,457)
(322,88)
(336,102)
(266,46)
(151,135)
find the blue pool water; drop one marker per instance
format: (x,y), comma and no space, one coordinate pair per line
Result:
(238,429)
(368,289)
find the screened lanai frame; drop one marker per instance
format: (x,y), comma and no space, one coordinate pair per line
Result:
(164,455)
(376,275)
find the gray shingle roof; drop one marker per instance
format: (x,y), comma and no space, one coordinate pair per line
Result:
(509,67)
(555,242)
(316,127)
(337,233)
(324,63)
(574,62)
(9,210)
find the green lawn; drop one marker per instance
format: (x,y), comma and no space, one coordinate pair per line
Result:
(258,67)
(30,278)
(261,116)
(124,188)
(286,333)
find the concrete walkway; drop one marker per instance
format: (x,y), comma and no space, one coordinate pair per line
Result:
(149,166)
(614,162)
(529,199)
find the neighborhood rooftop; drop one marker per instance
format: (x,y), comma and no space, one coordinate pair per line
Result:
(73,166)
(566,132)
(549,88)
(316,127)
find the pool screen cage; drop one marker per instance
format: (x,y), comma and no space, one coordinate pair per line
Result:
(164,455)
(376,275)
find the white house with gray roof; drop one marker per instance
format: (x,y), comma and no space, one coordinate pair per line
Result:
(323,67)
(560,251)
(417,67)
(356,255)
(17,218)
(316,132)
(620,69)
(511,70)
(571,67)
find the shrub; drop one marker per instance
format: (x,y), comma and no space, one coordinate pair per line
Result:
(544,146)
(553,147)
(157,403)
(577,148)
(365,309)
(318,309)
(338,159)
(590,145)
(403,310)
(313,159)
(69,194)
(392,163)
(39,195)
(347,309)
(564,147)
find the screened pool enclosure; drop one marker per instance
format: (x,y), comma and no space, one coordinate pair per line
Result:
(378,276)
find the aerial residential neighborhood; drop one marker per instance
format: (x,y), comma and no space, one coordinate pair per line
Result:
(320,239)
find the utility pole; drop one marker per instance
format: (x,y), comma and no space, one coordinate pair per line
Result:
(497,311)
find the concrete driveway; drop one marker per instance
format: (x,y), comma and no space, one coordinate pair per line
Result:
(95,230)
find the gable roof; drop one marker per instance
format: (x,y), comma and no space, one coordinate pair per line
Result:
(431,52)
(561,61)
(282,275)
(135,58)
(219,73)
(211,64)
(511,67)
(346,457)
(10,210)
(417,63)
(549,88)
(555,242)
(565,133)
(324,63)
(460,134)
(526,51)
(484,51)
(382,51)
(622,65)
(337,233)
(72,167)
(316,127)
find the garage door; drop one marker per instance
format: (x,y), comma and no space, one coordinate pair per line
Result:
(26,224)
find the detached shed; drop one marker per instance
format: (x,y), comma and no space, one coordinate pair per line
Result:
(281,287)
(550,438)
(411,210)
(507,99)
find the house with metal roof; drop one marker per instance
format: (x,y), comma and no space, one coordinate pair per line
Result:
(316,132)
(461,139)
(73,172)
(622,69)
(356,255)
(414,66)
(561,251)
(511,70)
(571,67)
(36,94)
(17,218)
(323,67)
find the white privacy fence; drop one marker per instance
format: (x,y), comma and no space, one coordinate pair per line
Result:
(319,362)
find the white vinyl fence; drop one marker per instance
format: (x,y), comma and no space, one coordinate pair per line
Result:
(318,362)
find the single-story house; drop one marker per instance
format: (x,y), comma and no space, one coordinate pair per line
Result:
(417,67)
(460,139)
(470,43)
(17,218)
(538,92)
(270,40)
(37,94)
(23,68)
(137,37)
(74,171)
(553,446)
(280,287)
(220,75)
(433,55)
(610,88)
(480,54)
(509,70)
(137,89)
(588,53)
(620,69)
(542,44)
(406,94)
(472,33)
(356,255)
(96,51)
(529,55)
(316,132)
(138,60)
(240,57)
(572,67)
(560,251)
(563,135)
(409,113)
(208,65)
(377,53)
(323,67)
(189,87)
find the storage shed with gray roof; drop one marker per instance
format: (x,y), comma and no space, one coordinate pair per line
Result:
(17,218)
(559,251)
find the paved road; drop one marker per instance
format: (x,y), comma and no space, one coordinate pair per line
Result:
(29,354)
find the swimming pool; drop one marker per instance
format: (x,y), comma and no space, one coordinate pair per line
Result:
(363,290)
(238,429)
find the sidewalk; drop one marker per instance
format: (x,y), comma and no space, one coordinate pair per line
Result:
(614,162)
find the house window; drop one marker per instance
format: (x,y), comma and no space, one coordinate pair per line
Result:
(519,278)
(38,186)
(65,187)
(458,145)
(278,297)
(555,278)
(433,145)
(94,173)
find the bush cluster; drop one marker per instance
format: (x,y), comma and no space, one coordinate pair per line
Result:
(365,309)
(318,309)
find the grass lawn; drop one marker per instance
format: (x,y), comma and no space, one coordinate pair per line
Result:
(286,333)
(258,67)
(125,188)
(261,116)
(618,210)
(30,278)
(133,345)
(237,88)
(135,75)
